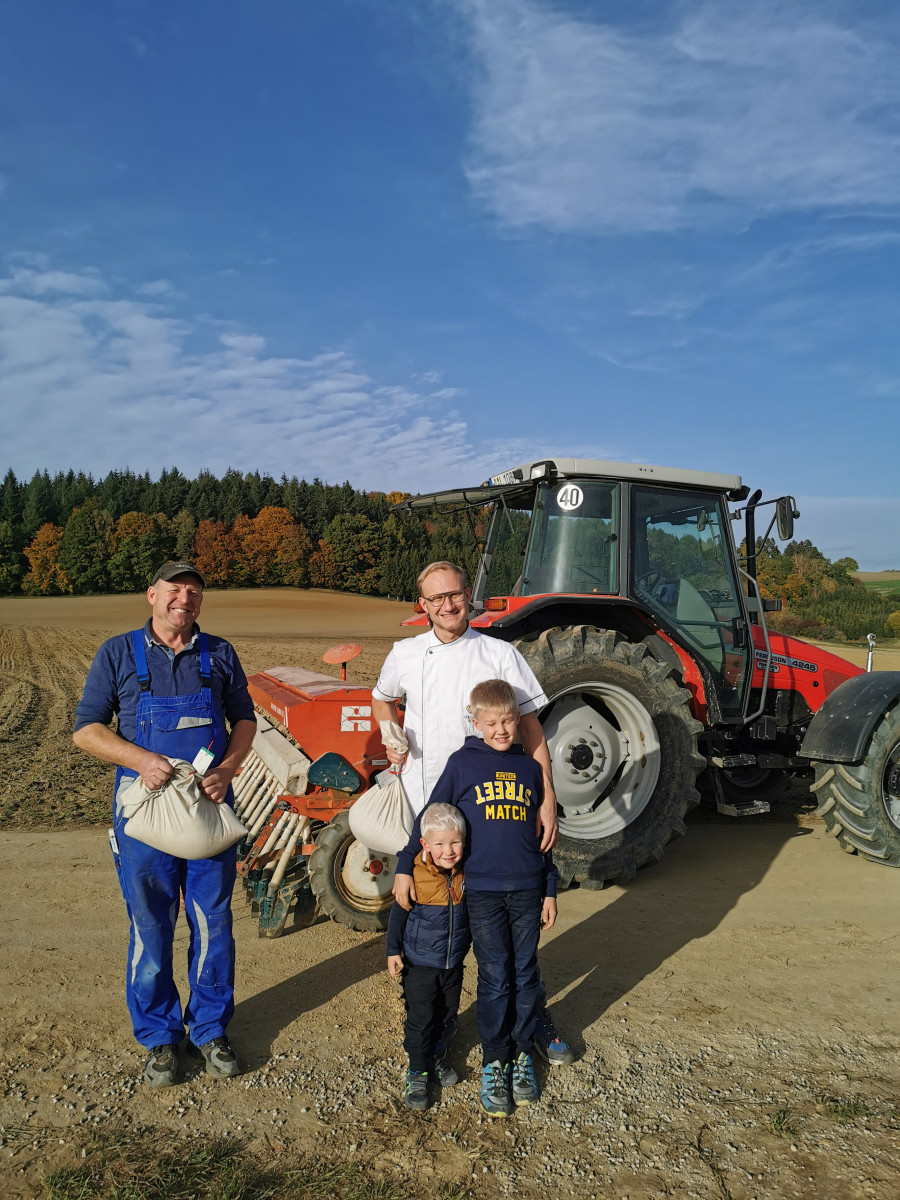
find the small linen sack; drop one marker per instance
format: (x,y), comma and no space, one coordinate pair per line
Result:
(382,818)
(177,818)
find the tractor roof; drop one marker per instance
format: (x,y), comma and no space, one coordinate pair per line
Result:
(507,483)
(566,467)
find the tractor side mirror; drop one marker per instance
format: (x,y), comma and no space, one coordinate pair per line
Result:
(784,517)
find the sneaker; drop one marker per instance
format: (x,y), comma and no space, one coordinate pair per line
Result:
(524,1085)
(161,1067)
(548,1044)
(446,1074)
(495,1099)
(221,1060)
(415,1091)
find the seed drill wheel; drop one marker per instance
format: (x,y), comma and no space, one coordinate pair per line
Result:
(351,883)
(860,803)
(623,745)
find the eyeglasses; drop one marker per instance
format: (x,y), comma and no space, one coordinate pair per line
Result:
(438,601)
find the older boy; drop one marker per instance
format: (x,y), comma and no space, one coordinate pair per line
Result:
(426,948)
(510,889)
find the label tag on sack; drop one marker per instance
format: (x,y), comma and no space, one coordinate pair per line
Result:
(203,761)
(113,844)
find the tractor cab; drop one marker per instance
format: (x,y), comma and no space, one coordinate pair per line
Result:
(658,538)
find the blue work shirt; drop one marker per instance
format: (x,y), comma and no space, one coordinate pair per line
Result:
(112,686)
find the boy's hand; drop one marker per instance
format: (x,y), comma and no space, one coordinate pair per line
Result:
(395,965)
(404,891)
(548,912)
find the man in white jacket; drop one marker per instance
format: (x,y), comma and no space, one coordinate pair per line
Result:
(436,673)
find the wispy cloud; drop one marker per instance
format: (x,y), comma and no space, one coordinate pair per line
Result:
(728,112)
(95,379)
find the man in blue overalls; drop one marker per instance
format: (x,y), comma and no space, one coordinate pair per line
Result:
(172,689)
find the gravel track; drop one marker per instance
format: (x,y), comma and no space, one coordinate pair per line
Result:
(734,1008)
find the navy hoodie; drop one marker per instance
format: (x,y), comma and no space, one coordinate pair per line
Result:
(498,793)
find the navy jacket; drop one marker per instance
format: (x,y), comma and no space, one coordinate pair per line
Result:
(499,793)
(436,932)
(112,687)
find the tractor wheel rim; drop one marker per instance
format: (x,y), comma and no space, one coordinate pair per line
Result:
(605,764)
(890,787)
(357,884)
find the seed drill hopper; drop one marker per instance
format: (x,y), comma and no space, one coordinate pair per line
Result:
(315,750)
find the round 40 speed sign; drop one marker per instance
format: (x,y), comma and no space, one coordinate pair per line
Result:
(569,497)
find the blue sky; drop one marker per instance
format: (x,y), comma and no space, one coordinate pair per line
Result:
(415,243)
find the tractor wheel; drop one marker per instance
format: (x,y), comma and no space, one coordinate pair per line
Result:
(351,883)
(623,745)
(860,803)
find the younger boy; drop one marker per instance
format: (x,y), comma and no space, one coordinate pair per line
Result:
(510,889)
(426,948)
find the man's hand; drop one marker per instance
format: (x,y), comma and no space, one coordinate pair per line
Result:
(548,912)
(404,891)
(395,965)
(155,770)
(214,784)
(395,757)
(547,824)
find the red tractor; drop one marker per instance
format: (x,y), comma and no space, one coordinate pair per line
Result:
(620,584)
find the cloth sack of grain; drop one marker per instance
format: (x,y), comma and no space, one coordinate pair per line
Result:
(382,818)
(177,818)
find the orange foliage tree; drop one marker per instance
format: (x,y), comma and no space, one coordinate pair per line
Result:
(46,577)
(272,549)
(214,552)
(324,569)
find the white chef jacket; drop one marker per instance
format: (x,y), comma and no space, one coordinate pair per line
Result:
(437,678)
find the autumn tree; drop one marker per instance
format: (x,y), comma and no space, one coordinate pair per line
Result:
(324,571)
(271,549)
(46,576)
(214,552)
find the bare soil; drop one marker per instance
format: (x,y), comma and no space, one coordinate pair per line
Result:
(734,1009)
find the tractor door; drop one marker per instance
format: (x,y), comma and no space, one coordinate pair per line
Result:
(682,568)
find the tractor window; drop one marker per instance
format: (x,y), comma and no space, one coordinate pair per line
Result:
(509,536)
(572,547)
(682,569)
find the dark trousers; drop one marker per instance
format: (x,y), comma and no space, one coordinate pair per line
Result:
(505,928)
(431,997)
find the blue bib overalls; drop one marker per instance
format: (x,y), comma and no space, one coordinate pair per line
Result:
(151,881)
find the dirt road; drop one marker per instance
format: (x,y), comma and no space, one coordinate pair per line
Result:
(734,1008)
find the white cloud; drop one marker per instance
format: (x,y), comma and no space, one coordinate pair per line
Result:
(97,381)
(731,111)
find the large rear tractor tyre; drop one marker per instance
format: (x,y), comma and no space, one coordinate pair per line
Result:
(623,745)
(351,883)
(860,803)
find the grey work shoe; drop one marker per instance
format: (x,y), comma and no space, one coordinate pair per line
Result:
(221,1060)
(415,1090)
(161,1067)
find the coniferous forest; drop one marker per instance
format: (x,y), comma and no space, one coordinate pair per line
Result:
(69,534)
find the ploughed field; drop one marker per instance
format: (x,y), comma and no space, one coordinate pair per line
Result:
(734,1008)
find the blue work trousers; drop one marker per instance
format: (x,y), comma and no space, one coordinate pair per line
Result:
(152,883)
(505,928)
